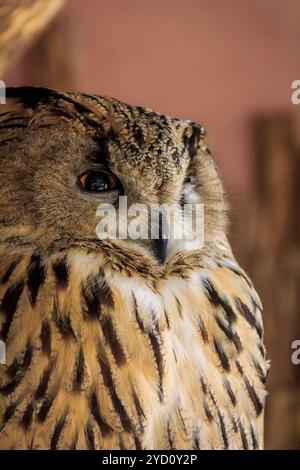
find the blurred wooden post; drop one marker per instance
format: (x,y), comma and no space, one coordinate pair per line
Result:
(20,23)
(268,245)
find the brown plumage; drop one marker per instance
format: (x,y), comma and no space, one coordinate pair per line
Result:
(108,345)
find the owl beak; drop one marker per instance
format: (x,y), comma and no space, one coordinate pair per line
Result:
(160,245)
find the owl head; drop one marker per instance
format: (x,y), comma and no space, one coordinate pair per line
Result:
(64,155)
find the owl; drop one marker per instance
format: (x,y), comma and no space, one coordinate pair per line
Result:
(119,342)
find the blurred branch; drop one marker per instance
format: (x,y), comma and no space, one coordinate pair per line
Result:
(20,23)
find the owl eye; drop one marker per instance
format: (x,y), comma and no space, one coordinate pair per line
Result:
(98,182)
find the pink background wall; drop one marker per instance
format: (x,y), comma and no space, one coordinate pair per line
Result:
(214,61)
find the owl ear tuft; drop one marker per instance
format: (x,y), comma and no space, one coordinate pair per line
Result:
(31,97)
(24,107)
(22,102)
(193,138)
(40,107)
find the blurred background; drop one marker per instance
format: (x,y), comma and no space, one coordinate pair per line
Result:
(228,65)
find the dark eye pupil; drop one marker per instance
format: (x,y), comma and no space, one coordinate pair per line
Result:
(97,181)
